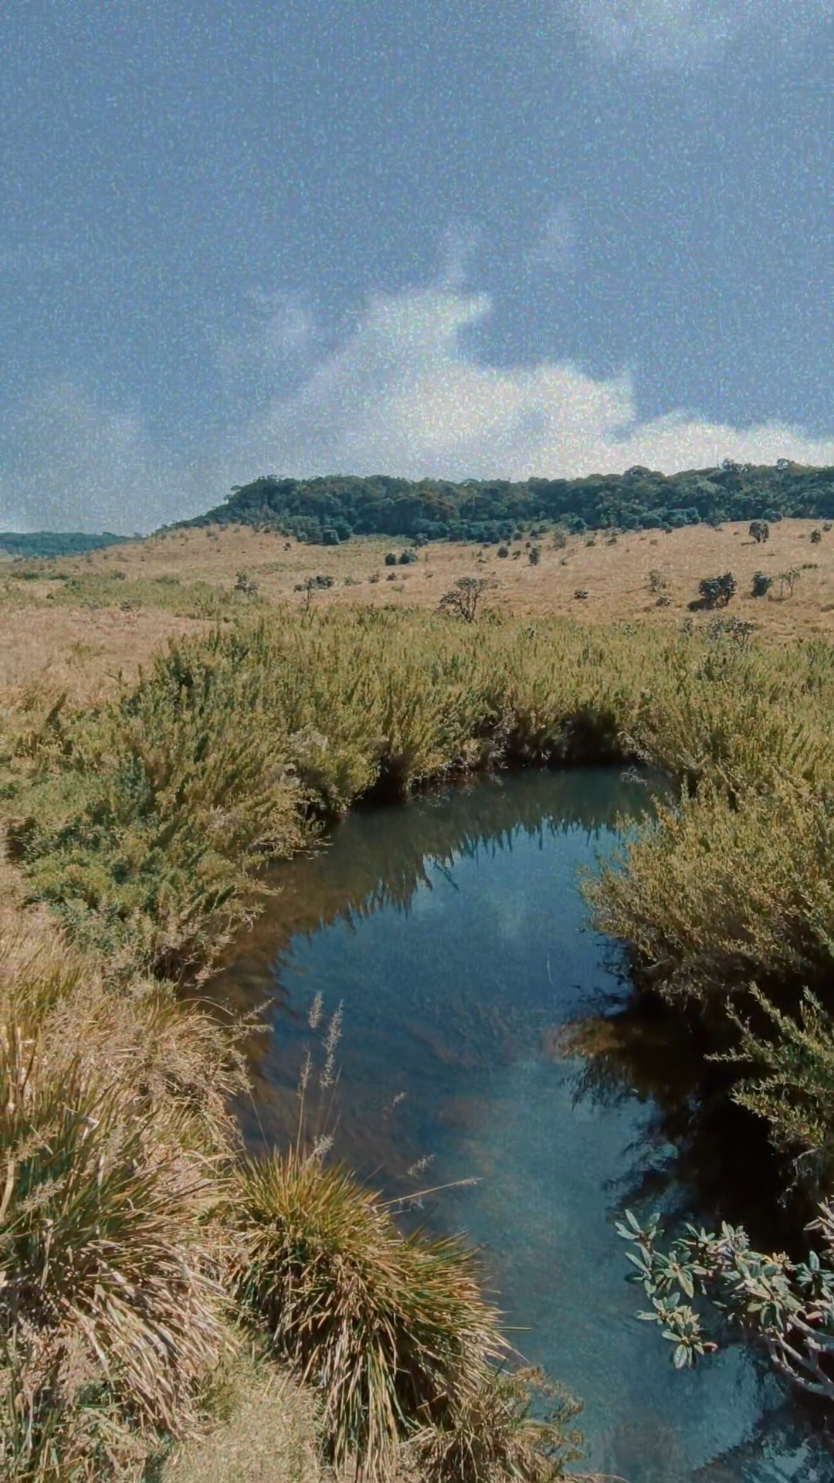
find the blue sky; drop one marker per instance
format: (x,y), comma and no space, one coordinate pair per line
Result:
(441,238)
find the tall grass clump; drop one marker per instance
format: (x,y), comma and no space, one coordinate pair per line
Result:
(389,1328)
(114,1133)
(491,1436)
(109,1315)
(714,895)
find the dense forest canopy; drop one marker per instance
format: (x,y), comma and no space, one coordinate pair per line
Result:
(331,509)
(54,543)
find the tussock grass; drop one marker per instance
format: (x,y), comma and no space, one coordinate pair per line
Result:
(113,1132)
(111,1314)
(713,897)
(492,1437)
(389,1328)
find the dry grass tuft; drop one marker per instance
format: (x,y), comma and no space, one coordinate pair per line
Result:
(388,1328)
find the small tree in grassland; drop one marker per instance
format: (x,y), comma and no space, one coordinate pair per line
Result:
(465,598)
(716,592)
(788,580)
(759,531)
(246,584)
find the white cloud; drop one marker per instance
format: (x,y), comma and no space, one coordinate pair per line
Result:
(680,33)
(400,393)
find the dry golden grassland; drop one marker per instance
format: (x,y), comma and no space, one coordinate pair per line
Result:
(141,823)
(79,641)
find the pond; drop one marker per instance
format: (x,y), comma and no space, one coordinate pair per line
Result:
(488,1036)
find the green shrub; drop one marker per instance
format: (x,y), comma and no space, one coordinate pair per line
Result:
(716,592)
(786,1305)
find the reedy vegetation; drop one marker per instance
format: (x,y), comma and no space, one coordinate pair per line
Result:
(143,823)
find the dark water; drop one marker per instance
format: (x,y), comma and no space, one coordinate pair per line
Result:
(454,935)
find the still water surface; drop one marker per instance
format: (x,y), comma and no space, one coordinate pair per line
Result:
(453,932)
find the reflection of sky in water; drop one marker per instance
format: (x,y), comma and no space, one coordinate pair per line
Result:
(449,1001)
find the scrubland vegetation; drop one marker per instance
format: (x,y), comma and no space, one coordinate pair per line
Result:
(154,1277)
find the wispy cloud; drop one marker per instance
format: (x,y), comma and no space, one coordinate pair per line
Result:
(275,333)
(401,393)
(556,247)
(71,463)
(680,33)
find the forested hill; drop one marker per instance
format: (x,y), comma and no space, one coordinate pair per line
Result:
(54,542)
(329,510)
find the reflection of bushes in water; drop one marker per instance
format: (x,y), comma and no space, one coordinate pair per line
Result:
(381,866)
(151,813)
(381,858)
(698,1141)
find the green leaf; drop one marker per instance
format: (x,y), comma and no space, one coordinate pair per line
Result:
(686,1283)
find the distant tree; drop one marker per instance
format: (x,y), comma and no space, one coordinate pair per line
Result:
(534,555)
(762,584)
(716,592)
(759,531)
(788,580)
(465,597)
(816,537)
(407,557)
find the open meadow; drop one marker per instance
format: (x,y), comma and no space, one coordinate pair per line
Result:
(75,623)
(144,786)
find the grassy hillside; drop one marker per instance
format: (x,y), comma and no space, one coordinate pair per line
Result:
(330,510)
